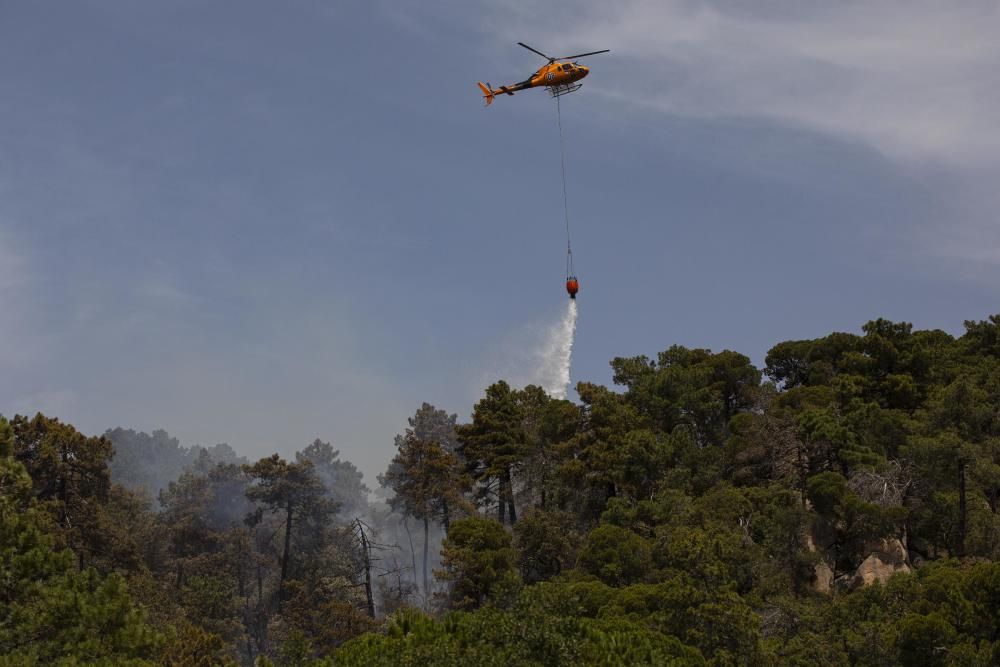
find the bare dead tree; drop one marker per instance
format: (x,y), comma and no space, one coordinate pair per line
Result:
(745,525)
(362,537)
(366,537)
(886,487)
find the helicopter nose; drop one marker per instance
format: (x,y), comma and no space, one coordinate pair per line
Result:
(584,71)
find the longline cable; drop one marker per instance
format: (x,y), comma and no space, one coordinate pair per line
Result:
(562,162)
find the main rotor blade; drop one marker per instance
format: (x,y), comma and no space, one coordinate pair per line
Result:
(580,55)
(536,51)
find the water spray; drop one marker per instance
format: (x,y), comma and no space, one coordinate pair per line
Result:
(557,355)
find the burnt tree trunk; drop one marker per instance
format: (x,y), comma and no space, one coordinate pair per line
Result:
(501,496)
(427,591)
(960,550)
(288,545)
(240,578)
(366,550)
(260,586)
(413,552)
(509,487)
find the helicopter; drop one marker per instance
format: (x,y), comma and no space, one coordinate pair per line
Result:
(559,77)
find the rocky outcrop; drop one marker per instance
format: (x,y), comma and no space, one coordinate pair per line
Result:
(823,577)
(885,558)
(820,538)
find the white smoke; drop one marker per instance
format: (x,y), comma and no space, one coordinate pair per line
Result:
(556,354)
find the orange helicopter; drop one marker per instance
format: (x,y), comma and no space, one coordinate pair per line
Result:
(559,77)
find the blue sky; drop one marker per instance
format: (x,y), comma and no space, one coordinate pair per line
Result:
(261,223)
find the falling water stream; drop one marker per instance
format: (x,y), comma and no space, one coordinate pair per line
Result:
(557,354)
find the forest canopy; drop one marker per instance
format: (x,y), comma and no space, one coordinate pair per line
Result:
(837,506)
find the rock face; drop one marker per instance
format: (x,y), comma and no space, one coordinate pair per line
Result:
(823,581)
(885,558)
(820,537)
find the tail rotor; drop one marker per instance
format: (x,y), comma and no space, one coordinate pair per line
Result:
(488,92)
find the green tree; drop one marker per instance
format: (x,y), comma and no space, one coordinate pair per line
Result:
(433,425)
(291,488)
(612,453)
(191,646)
(69,474)
(146,462)
(545,544)
(495,446)
(185,514)
(343,481)
(694,388)
(616,556)
(50,612)
(982,338)
(478,562)
(427,483)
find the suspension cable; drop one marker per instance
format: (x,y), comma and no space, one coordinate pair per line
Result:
(562,162)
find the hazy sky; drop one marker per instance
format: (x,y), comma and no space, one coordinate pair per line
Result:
(265,222)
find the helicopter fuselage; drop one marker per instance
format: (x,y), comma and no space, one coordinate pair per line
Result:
(554,74)
(558,74)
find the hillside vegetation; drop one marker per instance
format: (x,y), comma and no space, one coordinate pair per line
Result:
(837,507)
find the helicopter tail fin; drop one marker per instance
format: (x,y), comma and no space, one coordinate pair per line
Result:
(487,92)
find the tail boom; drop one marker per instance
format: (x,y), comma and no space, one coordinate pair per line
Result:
(489,93)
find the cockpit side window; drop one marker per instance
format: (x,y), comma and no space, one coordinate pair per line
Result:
(567,67)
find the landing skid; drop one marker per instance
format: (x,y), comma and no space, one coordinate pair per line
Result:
(564,89)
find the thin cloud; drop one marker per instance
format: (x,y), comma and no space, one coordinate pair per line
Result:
(916,81)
